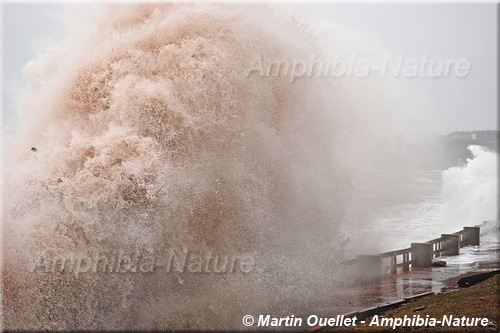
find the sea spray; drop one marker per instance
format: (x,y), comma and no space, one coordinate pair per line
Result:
(470,192)
(150,136)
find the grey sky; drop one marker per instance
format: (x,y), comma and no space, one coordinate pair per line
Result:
(438,30)
(26,29)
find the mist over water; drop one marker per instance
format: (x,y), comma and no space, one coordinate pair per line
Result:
(152,136)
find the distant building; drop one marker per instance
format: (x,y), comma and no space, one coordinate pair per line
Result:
(464,136)
(486,138)
(456,143)
(430,150)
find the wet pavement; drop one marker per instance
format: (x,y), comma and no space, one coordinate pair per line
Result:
(392,288)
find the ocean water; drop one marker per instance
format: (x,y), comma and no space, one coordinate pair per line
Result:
(410,213)
(415,205)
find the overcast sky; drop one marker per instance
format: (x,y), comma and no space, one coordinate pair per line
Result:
(441,31)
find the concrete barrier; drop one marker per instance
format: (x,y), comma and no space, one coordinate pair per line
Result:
(370,268)
(471,236)
(450,244)
(421,255)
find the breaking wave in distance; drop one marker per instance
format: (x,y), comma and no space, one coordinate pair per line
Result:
(470,192)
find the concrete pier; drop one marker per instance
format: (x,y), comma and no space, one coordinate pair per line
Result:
(450,244)
(369,268)
(421,255)
(471,236)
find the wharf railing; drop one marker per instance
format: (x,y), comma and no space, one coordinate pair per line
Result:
(419,255)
